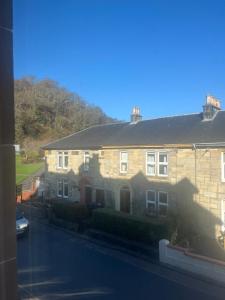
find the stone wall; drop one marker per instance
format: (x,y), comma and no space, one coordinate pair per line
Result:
(193,182)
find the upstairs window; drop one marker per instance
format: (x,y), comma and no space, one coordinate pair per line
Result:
(62,160)
(223,165)
(151,163)
(157,163)
(123,162)
(86,160)
(163,164)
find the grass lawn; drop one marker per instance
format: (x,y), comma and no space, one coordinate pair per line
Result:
(25,170)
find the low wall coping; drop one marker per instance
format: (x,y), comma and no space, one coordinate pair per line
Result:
(197,256)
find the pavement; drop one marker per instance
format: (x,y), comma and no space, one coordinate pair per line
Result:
(55,264)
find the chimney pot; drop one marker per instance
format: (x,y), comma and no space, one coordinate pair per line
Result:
(211,107)
(136,116)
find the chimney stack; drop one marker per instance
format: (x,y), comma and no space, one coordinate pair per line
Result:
(135,116)
(211,107)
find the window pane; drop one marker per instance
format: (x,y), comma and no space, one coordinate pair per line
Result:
(86,167)
(151,208)
(60,161)
(150,157)
(151,169)
(162,170)
(66,161)
(224,157)
(66,189)
(162,210)
(124,167)
(151,196)
(163,198)
(162,157)
(86,161)
(124,156)
(60,188)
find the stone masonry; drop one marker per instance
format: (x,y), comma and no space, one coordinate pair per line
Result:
(194,180)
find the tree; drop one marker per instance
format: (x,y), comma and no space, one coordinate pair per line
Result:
(46,111)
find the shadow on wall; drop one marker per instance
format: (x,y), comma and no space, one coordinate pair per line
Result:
(191,220)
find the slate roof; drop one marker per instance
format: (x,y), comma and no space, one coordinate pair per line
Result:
(185,129)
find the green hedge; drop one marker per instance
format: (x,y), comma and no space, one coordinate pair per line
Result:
(72,212)
(141,229)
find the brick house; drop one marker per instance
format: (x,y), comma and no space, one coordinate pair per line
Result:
(146,166)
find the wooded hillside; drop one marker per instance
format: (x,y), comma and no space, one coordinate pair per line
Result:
(45,111)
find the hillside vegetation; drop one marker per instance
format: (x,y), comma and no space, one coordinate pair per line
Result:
(45,111)
(23,171)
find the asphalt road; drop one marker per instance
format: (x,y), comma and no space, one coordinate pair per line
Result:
(53,264)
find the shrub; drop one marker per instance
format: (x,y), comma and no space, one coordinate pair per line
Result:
(141,229)
(70,211)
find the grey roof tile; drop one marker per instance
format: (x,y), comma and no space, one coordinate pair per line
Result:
(185,129)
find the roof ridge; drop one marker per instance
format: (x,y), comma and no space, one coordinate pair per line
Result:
(173,116)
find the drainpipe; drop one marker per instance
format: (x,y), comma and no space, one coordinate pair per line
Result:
(8,285)
(194,147)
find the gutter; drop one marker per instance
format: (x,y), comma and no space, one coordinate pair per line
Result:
(208,145)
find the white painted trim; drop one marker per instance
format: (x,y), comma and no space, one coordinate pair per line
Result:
(123,161)
(62,181)
(63,155)
(162,163)
(163,204)
(64,196)
(58,182)
(149,201)
(146,162)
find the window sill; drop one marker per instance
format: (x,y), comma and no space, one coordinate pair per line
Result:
(157,177)
(61,169)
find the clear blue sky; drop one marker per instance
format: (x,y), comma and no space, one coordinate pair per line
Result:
(161,55)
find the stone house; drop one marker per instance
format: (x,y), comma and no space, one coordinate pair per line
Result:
(146,166)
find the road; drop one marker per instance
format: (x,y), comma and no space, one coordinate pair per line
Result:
(54,264)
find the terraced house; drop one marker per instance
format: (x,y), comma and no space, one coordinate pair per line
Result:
(146,167)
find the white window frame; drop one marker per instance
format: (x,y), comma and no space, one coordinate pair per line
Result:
(86,160)
(63,182)
(153,164)
(63,155)
(162,163)
(163,204)
(123,161)
(150,201)
(59,182)
(222,167)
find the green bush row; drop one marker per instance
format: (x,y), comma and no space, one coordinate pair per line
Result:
(141,229)
(70,211)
